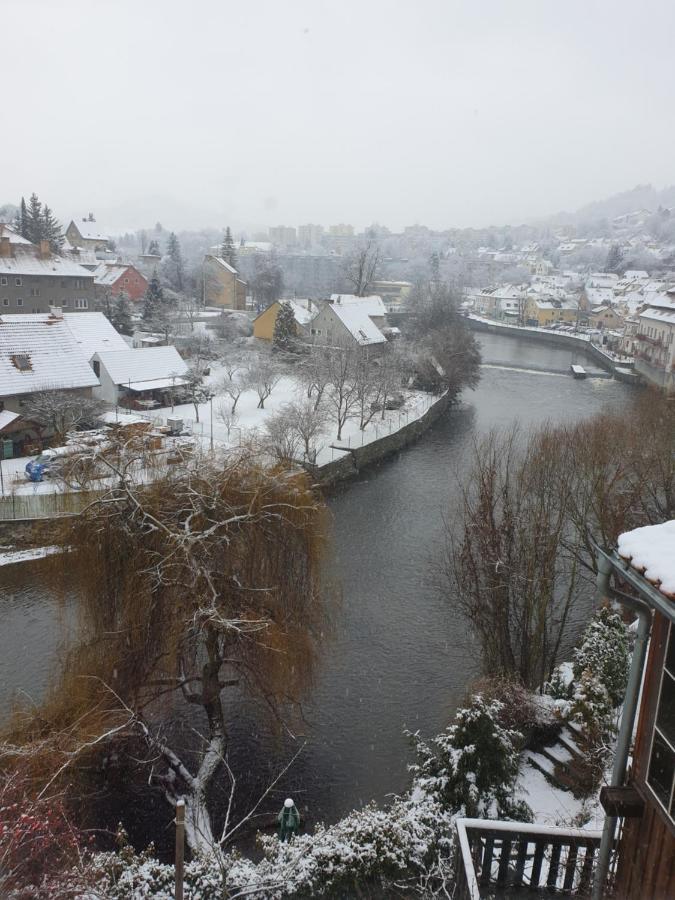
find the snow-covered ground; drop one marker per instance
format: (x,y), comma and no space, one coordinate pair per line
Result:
(7,557)
(249,420)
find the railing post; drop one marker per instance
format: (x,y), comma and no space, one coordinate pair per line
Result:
(180,847)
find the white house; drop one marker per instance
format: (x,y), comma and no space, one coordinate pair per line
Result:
(347,320)
(138,377)
(655,341)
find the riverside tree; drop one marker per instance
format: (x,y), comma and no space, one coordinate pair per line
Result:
(203,582)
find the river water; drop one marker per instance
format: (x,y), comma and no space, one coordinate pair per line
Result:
(400,656)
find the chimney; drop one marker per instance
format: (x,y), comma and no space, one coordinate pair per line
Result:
(5,247)
(55,312)
(45,250)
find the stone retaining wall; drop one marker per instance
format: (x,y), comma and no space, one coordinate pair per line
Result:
(553,337)
(376,451)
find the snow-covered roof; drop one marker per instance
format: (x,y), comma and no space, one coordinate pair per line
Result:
(108,273)
(25,264)
(372,304)
(651,550)
(303,310)
(357,321)
(141,364)
(635,274)
(662,316)
(14,237)
(91,331)
(38,353)
(598,295)
(7,417)
(154,384)
(89,231)
(224,264)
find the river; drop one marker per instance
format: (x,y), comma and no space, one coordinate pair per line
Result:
(400,656)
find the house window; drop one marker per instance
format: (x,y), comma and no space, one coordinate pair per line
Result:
(96,365)
(3,279)
(661,773)
(35,292)
(5,302)
(81,304)
(19,301)
(64,303)
(17,282)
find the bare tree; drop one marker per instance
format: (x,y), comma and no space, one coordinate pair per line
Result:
(281,438)
(235,385)
(198,391)
(362,267)
(308,422)
(57,412)
(341,390)
(228,417)
(219,562)
(315,376)
(263,379)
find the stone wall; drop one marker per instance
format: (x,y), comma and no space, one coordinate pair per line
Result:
(375,452)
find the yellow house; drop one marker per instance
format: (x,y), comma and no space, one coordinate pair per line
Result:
(546,312)
(222,287)
(303,310)
(604,317)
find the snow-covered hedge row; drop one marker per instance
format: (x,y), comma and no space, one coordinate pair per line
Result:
(590,690)
(469,769)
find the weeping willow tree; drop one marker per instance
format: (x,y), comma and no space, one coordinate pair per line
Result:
(204,580)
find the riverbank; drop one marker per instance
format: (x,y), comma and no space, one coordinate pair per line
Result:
(354,459)
(622,370)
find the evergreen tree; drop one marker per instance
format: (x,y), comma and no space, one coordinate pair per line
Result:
(21,220)
(614,258)
(174,268)
(51,230)
(153,249)
(153,302)
(227,251)
(121,314)
(284,327)
(34,225)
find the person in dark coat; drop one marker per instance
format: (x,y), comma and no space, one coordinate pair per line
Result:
(289,820)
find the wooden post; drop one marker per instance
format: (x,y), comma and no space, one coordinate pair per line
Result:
(180,847)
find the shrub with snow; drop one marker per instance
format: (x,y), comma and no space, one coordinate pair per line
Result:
(605,653)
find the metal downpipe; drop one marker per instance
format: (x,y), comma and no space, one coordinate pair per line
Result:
(630,703)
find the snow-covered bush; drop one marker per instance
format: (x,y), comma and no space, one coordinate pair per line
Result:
(591,706)
(604,651)
(473,764)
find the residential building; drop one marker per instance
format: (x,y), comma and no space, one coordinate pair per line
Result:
(341,230)
(604,317)
(15,239)
(222,286)
(138,378)
(349,321)
(32,280)
(87,235)
(309,236)
(37,353)
(303,311)
(542,312)
(393,293)
(283,236)
(111,279)
(655,342)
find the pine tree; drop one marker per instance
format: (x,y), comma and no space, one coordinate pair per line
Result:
(614,258)
(51,230)
(153,249)
(21,220)
(154,301)
(284,327)
(175,267)
(121,314)
(34,225)
(227,251)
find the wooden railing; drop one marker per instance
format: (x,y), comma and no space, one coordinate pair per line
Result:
(497,859)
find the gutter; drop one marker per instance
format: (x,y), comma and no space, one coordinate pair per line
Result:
(650,599)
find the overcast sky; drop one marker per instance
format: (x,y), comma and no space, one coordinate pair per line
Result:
(443,112)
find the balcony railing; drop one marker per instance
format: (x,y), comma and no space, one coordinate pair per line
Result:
(500,859)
